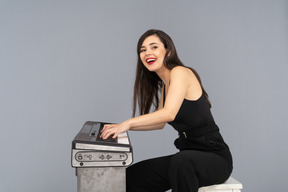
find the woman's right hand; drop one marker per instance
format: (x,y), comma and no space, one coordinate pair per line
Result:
(114,129)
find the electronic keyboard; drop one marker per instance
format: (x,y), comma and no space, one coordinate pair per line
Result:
(90,150)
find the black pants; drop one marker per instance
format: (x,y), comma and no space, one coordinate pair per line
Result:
(184,171)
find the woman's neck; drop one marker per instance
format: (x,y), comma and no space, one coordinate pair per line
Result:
(164,75)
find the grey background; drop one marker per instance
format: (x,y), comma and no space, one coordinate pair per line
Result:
(65,62)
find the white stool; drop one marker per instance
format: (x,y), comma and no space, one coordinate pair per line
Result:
(231,185)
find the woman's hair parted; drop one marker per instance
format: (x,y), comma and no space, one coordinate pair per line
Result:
(147,84)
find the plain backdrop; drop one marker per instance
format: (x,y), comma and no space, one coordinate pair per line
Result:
(63,62)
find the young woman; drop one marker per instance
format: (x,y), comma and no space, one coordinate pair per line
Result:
(203,157)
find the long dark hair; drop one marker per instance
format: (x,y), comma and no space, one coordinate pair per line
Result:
(147,84)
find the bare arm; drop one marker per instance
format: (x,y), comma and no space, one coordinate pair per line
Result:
(144,127)
(156,126)
(179,83)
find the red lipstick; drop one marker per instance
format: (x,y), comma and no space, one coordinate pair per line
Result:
(150,60)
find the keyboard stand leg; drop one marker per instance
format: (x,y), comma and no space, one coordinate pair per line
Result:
(101,179)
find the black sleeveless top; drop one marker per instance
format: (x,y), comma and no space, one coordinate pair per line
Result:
(197,128)
(191,114)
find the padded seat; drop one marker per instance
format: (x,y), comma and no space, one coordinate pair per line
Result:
(231,185)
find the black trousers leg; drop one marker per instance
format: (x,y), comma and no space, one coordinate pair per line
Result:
(184,171)
(151,175)
(191,169)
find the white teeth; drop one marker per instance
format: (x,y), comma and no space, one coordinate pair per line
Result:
(150,60)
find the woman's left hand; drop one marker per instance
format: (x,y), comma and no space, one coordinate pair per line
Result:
(114,129)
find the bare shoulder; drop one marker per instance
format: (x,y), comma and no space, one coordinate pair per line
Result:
(186,76)
(181,71)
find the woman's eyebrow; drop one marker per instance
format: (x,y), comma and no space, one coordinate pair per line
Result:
(149,44)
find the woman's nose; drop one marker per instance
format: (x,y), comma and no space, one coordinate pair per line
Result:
(147,52)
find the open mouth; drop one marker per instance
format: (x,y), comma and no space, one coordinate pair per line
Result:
(150,61)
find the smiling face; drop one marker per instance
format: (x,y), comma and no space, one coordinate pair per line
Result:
(152,53)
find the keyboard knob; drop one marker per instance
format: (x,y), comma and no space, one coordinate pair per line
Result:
(108,157)
(101,157)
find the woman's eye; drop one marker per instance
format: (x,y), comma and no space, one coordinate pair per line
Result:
(154,47)
(142,50)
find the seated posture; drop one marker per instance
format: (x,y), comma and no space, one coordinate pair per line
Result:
(203,158)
